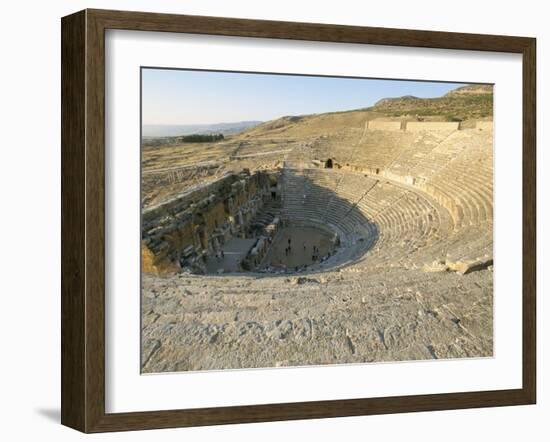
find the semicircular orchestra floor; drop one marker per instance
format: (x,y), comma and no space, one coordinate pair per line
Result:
(297,248)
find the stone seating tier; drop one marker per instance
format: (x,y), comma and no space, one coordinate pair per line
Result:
(405,226)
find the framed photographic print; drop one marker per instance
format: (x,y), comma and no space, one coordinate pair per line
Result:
(268,221)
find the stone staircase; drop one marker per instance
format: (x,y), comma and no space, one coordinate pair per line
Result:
(265,216)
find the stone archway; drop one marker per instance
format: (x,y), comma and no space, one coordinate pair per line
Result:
(328,164)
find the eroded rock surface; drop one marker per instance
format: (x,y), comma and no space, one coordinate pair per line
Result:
(409,200)
(243,322)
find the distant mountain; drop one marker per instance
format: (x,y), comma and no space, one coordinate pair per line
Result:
(170,130)
(385,101)
(464,103)
(471,89)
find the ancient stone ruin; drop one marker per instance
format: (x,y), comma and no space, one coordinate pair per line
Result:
(184,231)
(389,223)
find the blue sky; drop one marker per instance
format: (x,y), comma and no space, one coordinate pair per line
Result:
(199,97)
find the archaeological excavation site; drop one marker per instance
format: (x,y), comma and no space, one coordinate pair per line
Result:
(363,236)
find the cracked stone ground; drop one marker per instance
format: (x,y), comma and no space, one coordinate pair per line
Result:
(412,202)
(227,322)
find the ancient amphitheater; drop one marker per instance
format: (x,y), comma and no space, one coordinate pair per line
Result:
(399,212)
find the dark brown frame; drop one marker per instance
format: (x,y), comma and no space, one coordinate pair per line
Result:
(83,216)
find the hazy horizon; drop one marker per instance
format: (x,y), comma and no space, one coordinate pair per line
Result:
(217,97)
(203,124)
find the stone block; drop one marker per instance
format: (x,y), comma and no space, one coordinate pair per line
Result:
(427,126)
(384,125)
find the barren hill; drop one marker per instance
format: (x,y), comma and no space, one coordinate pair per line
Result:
(170,167)
(398,199)
(464,103)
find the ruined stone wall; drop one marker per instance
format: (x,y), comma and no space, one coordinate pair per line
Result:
(421,126)
(384,125)
(216,216)
(182,231)
(418,126)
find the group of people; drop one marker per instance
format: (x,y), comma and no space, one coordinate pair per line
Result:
(315,257)
(315,253)
(288,249)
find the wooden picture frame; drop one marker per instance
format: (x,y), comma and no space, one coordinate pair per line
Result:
(83,220)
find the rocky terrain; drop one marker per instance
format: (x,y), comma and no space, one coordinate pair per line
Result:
(406,185)
(462,104)
(190,323)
